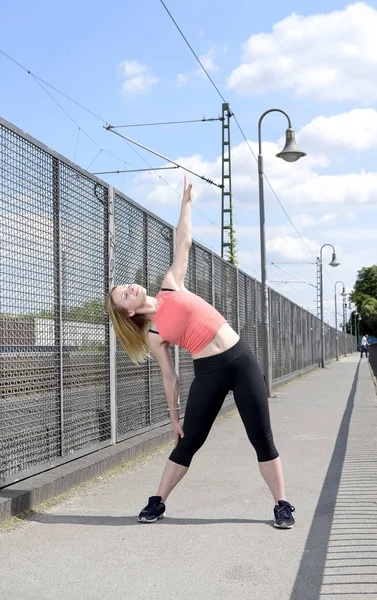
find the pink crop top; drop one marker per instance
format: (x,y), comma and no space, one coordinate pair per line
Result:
(187,320)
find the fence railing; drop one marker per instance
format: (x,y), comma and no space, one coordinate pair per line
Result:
(373,358)
(67,388)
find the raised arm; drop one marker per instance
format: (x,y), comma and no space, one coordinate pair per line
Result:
(177,272)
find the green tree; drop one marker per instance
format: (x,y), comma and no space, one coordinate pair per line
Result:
(364,295)
(89,312)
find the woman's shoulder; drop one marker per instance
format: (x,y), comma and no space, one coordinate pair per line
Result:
(169,284)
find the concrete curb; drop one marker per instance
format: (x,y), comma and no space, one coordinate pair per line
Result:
(27,494)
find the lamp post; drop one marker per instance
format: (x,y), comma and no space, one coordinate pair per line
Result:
(290,153)
(336,317)
(353,325)
(351,318)
(359,334)
(345,325)
(334,263)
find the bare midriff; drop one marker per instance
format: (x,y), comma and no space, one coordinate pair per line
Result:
(224,339)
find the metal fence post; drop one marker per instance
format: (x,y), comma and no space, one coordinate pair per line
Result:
(213,281)
(256,319)
(112,338)
(176,348)
(238,302)
(58,296)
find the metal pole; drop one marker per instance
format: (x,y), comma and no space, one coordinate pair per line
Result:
(351,328)
(336,328)
(58,292)
(112,338)
(265,310)
(238,302)
(320,265)
(322,323)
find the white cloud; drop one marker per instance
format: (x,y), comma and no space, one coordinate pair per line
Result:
(325,208)
(296,184)
(290,248)
(208,62)
(182,80)
(138,78)
(325,56)
(353,130)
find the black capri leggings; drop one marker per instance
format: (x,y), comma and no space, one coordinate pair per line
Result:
(235,369)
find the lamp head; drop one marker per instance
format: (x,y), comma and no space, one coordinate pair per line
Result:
(290,152)
(334,261)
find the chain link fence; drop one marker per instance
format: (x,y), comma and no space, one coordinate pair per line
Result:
(67,388)
(373,358)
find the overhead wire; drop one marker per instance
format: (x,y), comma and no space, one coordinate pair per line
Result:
(203,120)
(235,118)
(42,82)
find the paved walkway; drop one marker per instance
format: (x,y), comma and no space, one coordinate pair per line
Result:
(217,541)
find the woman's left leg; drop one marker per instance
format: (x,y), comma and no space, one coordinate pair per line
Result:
(252,403)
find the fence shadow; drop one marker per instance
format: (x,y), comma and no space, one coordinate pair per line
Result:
(339,557)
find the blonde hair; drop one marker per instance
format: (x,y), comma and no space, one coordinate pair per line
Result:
(132,332)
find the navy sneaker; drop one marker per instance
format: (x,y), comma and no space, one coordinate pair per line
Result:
(283,515)
(154,510)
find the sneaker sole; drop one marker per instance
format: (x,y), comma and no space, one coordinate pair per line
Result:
(283,526)
(144,520)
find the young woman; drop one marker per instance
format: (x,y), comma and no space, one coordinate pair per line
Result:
(222,362)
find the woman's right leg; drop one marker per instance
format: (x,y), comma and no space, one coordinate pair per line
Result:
(203,405)
(172,475)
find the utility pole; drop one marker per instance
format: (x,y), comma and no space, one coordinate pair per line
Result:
(227,231)
(318,288)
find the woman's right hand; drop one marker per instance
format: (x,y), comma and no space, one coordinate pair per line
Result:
(178,432)
(187,191)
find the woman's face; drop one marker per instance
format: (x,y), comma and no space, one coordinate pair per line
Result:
(131,297)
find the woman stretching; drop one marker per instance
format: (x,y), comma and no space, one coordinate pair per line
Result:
(222,362)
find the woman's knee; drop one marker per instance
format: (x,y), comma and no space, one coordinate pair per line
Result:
(265,448)
(185,450)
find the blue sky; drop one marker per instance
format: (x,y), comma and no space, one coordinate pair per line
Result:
(127,63)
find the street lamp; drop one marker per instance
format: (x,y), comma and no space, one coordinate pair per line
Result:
(290,153)
(353,328)
(344,294)
(334,263)
(359,333)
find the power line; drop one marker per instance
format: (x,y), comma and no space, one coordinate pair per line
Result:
(111,129)
(203,120)
(94,159)
(193,51)
(132,170)
(41,81)
(235,118)
(51,86)
(293,275)
(289,284)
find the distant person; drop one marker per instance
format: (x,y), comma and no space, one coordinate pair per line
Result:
(222,362)
(364,345)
